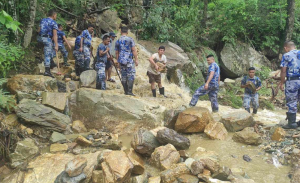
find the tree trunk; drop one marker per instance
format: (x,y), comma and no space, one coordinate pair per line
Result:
(29,28)
(204,19)
(290,20)
(13,11)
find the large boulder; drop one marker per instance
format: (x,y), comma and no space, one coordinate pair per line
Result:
(236,59)
(167,136)
(116,167)
(247,136)
(171,116)
(216,130)
(42,173)
(31,112)
(75,167)
(237,121)
(144,142)
(193,119)
(88,79)
(108,21)
(165,156)
(55,100)
(25,150)
(118,113)
(29,83)
(202,52)
(137,162)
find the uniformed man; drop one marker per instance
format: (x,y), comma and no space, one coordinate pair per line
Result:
(48,31)
(153,70)
(251,94)
(290,68)
(79,57)
(61,38)
(108,67)
(86,45)
(125,50)
(211,86)
(102,55)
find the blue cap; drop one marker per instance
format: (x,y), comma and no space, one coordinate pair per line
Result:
(112,34)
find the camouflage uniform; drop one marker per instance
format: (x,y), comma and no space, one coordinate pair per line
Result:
(79,57)
(87,41)
(100,67)
(47,25)
(124,46)
(213,88)
(249,96)
(61,46)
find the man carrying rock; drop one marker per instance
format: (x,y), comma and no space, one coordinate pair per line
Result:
(211,86)
(86,45)
(125,50)
(79,57)
(252,84)
(61,38)
(48,31)
(102,55)
(153,70)
(108,67)
(290,68)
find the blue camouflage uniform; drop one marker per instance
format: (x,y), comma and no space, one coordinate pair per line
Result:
(124,46)
(213,88)
(291,60)
(47,25)
(79,57)
(87,42)
(100,67)
(249,96)
(61,46)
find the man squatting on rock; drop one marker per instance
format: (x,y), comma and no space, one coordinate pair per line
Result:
(249,95)
(290,68)
(211,86)
(48,31)
(153,73)
(125,50)
(102,55)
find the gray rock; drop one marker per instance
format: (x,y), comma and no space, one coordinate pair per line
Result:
(75,167)
(61,86)
(57,137)
(23,95)
(247,136)
(197,167)
(171,116)
(88,79)
(246,158)
(24,150)
(73,85)
(31,112)
(64,178)
(222,174)
(144,142)
(108,21)
(169,136)
(237,121)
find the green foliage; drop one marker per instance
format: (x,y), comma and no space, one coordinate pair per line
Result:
(263,74)
(8,22)
(7,101)
(269,105)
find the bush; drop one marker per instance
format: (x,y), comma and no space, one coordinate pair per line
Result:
(7,102)
(264,73)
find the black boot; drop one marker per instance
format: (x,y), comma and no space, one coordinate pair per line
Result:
(66,61)
(98,86)
(52,63)
(291,121)
(162,91)
(47,72)
(247,109)
(125,86)
(130,87)
(154,92)
(254,111)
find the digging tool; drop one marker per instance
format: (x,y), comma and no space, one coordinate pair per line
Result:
(112,60)
(58,70)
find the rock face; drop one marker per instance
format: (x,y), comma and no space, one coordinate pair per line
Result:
(279,134)
(169,136)
(170,175)
(29,83)
(24,150)
(116,167)
(137,161)
(235,60)
(108,21)
(144,142)
(216,130)
(110,109)
(237,121)
(34,113)
(247,136)
(165,156)
(56,101)
(88,79)
(193,119)
(75,167)
(42,173)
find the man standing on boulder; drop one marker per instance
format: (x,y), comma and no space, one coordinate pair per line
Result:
(153,73)
(290,68)
(86,46)
(251,94)
(125,50)
(48,31)
(61,38)
(102,54)
(211,86)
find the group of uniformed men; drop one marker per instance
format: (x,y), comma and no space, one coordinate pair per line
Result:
(53,37)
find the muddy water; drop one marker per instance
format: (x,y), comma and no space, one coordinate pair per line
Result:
(260,168)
